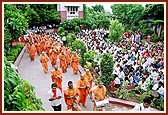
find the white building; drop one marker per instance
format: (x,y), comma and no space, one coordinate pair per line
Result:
(69,11)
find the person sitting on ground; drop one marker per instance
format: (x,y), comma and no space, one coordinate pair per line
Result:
(116,82)
(136,78)
(159,89)
(145,106)
(125,82)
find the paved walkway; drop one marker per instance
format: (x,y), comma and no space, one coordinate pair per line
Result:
(32,71)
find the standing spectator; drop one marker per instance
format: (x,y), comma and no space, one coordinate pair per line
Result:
(148,39)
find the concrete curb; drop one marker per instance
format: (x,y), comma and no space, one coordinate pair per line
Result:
(17,61)
(125,103)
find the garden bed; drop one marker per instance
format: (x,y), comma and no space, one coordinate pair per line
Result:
(14,52)
(130,98)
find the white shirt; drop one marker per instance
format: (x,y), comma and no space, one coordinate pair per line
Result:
(121,75)
(142,85)
(140,107)
(57,101)
(160,90)
(117,80)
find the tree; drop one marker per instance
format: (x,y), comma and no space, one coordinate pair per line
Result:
(30,14)
(155,12)
(15,21)
(46,12)
(98,8)
(127,13)
(106,68)
(95,18)
(116,29)
(145,28)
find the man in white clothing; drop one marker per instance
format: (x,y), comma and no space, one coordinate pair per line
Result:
(143,106)
(54,95)
(159,89)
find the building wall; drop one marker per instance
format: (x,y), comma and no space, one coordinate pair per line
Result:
(63,15)
(63,11)
(80,14)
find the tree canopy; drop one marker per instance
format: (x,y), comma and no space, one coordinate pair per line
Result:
(98,8)
(127,13)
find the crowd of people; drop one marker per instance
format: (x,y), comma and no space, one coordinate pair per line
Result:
(136,64)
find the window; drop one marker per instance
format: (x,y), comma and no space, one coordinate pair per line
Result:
(72,9)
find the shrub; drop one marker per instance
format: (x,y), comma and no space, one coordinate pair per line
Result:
(90,57)
(154,38)
(116,29)
(60,30)
(79,45)
(94,26)
(19,94)
(10,58)
(70,38)
(14,52)
(77,29)
(106,68)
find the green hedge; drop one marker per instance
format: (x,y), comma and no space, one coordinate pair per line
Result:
(14,51)
(19,94)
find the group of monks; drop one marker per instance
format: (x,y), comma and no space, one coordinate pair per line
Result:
(49,50)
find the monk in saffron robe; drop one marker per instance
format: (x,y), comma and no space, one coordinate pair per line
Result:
(38,48)
(56,76)
(68,56)
(75,63)
(22,38)
(75,107)
(32,51)
(63,64)
(47,48)
(89,78)
(62,48)
(44,59)
(70,95)
(30,38)
(53,56)
(28,45)
(99,93)
(42,44)
(82,86)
